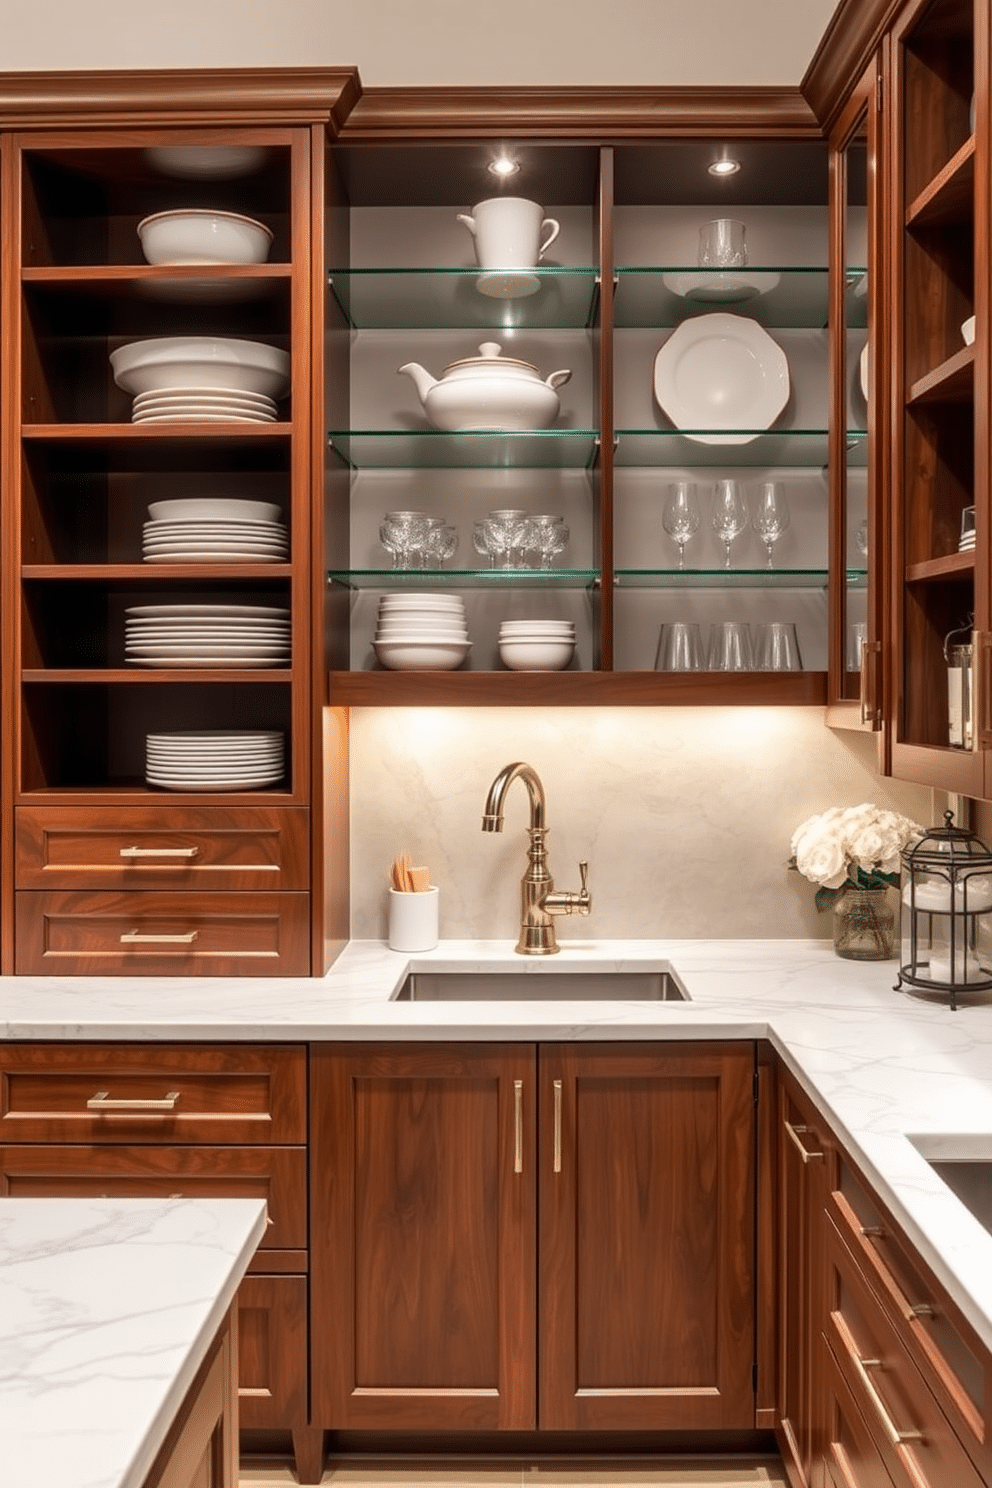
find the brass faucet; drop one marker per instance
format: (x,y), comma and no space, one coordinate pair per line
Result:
(540,901)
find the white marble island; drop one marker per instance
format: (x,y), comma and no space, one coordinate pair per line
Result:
(108,1307)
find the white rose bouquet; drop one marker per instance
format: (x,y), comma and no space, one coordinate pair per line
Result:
(851,846)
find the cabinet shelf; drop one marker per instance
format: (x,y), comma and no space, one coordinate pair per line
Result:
(723,578)
(805,448)
(449,299)
(952,382)
(576,689)
(782,297)
(234,283)
(138,434)
(153,573)
(950,566)
(153,675)
(477,449)
(950,197)
(455,578)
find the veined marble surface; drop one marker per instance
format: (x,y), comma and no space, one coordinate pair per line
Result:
(107,1309)
(882,1066)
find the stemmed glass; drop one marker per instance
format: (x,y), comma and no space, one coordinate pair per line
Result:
(772,517)
(442,540)
(729,513)
(547,536)
(402,534)
(680,517)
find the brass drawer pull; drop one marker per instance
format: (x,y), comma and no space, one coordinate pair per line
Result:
(159,852)
(102,1101)
(518,1126)
(557,1142)
(135,937)
(804,1152)
(895,1436)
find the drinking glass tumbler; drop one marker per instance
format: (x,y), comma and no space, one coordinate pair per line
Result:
(730,647)
(778,647)
(680,647)
(722,245)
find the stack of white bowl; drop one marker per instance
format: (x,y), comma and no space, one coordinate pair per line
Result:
(214,530)
(421,632)
(536,645)
(202,379)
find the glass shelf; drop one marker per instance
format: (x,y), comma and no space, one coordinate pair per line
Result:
(804,448)
(429,298)
(477,449)
(465,578)
(782,297)
(721,578)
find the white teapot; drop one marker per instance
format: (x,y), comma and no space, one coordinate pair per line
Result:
(489,391)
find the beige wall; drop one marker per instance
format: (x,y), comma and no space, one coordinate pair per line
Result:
(444,42)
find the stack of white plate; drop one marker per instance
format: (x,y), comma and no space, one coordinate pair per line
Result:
(215,759)
(421,631)
(536,645)
(214,531)
(206,635)
(195,405)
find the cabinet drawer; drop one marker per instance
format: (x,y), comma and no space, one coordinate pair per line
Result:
(161,934)
(276,1174)
(851,1458)
(185,847)
(954,1368)
(220,1094)
(911,1432)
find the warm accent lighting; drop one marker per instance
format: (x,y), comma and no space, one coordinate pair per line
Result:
(724,166)
(503,166)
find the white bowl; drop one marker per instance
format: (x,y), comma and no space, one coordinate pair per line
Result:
(421,602)
(430,655)
(206,162)
(201,362)
(213,509)
(537,627)
(968,331)
(195,236)
(544,655)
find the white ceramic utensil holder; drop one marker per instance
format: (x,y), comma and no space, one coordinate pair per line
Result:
(413,920)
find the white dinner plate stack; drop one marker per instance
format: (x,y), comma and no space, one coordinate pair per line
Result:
(196,405)
(206,635)
(214,531)
(421,632)
(215,759)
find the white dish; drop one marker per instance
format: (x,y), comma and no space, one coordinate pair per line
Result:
(194,417)
(200,361)
(183,758)
(209,394)
(432,655)
(214,508)
(720,286)
(194,235)
(252,611)
(234,543)
(236,527)
(507,284)
(864,371)
(209,555)
(721,372)
(203,663)
(214,785)
(968,331)
(546,654)
(206,162)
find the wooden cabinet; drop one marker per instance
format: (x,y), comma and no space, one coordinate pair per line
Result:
(432,1276)
(201,1449)
(222,1121)
(806,1163)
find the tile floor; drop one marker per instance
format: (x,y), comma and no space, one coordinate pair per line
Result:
(712,1473)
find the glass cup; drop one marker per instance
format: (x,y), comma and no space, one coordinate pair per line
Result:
(442,540)
(857,635)
(730,647)
(680,647)
(778,647)
(722,245)
(771,518)
(730,514)
(547,536)
(680,515)
(402,534)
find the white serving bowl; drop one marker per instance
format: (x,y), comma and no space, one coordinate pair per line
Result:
(429,655)
(537,627)
(206,162)
(201,362)
(543,655)
(195,236)
(440,624)
(214,509)
(968,331)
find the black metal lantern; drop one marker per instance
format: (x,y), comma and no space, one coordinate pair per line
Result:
(946,913)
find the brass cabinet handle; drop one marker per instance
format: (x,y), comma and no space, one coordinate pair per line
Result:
(135,937)
(804,1152)
(871,661)
(518,1126)
(557,1133)
(982,640)
(102,1101)
(159,852)
(861,1367)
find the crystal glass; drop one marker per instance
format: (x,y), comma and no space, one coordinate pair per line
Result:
(729,513)
(500,536)
(722,244)
(546,536)
(441,544)
(402,534)
(771,517)
(680,517)
(861,537)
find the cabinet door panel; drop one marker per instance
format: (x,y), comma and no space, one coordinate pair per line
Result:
(272,1351)
(423,1211)
(647,1236)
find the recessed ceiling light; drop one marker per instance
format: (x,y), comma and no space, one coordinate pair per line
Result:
(503,166)
(725,166)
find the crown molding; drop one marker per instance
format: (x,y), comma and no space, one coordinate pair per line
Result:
(578,113)
(243,96)
(846,47)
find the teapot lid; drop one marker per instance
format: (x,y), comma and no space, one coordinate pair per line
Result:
(491,357)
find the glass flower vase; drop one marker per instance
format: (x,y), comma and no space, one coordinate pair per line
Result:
(864,924)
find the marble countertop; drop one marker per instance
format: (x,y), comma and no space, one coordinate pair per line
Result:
(107,1309)
(883,1066)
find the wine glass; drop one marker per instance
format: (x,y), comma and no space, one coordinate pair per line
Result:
(729,513)
(772,516)
(680,517)
(547,536)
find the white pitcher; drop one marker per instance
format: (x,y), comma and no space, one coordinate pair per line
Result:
(510,232)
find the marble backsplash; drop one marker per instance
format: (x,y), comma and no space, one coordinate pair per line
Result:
(684,814)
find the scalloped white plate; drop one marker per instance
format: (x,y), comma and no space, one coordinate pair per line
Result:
(721,372)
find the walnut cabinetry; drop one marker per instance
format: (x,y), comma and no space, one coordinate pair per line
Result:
(473,1199)
(201,1449)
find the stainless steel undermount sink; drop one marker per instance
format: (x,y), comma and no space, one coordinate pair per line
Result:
(542,986)
(965,1165)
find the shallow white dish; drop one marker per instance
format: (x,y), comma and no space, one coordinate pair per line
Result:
(431,655)
(209,610)
(179,554)
(968,331)
(720,286)
(863,371)
(507,284)
(540,654)
(197,416)
(165,362)
(203,662)
(213,508)
(236,527)
(206,162)
(194,235)
(169,396)
(721,372)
